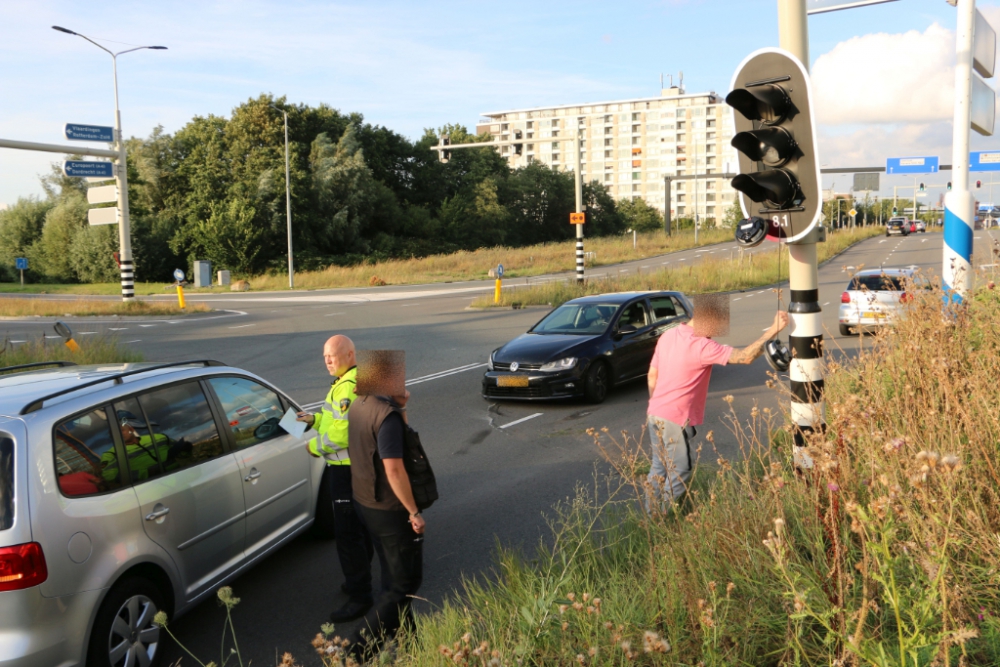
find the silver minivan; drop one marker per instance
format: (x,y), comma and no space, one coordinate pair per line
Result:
(130,489)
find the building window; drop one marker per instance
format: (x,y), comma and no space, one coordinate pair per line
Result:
(711,123)
(710,135)
(710,148)
(607,119)
(679,186)
(635,117)
(700,111)
(555,133)
(637,188)
(636,129)
(711,197)
(652,128)
(680,198)
(637,176)
(555,122)
(608,177)
(609,142)
(609,130)
(607,154)
(682,113)
(637,140)
(710,185)
(555,157)
(682,125)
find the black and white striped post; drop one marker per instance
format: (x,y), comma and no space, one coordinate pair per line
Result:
(579,218)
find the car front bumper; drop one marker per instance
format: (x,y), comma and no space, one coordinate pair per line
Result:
(537,385)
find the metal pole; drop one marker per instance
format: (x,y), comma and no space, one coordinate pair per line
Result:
(695,185)
(958,214)
(806,335)
(127,267)
(579,208)
(666,205)
(288,209)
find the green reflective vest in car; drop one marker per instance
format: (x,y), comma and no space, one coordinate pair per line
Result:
(331,421)
(141,457)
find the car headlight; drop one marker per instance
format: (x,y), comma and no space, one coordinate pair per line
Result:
(559,365)
(489,362)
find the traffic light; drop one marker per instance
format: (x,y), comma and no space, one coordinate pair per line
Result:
(949,186)
(779,168)
(921,187)
(979,184)
(444,155)
(517,147)
(895,210)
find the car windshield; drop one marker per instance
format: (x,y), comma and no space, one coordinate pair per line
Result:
(876,283)
(577,318)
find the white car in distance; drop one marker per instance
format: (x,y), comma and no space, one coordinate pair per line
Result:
(873,299)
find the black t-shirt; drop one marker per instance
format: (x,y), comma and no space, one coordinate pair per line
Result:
(390,437)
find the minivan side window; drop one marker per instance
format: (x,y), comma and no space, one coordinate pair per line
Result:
(252,410)
(142,447)
(85,456)
(663,308)
(6,482)
(634,315)
(182,431)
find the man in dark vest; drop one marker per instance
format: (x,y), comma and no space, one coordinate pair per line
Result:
(385,502)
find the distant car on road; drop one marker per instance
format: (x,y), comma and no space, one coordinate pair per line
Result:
(897,226)
(131,489)
(920,226)
(873,298)
(584,347)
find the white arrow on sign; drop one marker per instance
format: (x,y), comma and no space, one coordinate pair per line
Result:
(102,194)
(103,216)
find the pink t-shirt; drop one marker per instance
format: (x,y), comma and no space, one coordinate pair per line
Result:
(683,363)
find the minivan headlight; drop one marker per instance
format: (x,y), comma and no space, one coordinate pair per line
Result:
(559,365)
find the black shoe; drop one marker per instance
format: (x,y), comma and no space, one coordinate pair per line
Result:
(350,611)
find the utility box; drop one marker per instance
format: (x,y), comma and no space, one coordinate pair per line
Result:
(202,273)
(223,278)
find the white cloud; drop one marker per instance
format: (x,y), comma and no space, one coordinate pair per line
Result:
(887,78)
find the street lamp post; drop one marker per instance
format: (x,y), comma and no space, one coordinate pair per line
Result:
(124,232)
(288,204)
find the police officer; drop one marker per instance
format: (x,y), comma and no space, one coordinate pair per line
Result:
(354,546)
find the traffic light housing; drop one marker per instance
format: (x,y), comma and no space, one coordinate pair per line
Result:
(518,146)
(979,184)
(779,169)
(949,186)
(444,155)
(921,187)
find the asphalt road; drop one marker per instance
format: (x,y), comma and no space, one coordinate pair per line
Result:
(500,466)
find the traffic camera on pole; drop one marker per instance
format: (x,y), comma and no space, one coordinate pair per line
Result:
(779,172)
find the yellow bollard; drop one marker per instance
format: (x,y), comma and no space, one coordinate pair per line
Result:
(496,292)
(180,296)
(71,344)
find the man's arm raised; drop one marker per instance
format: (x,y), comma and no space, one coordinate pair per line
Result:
(748,354)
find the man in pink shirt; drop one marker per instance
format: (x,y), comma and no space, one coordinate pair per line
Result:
(678,387)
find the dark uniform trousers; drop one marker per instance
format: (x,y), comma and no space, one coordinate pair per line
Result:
(354,545)
(401,555)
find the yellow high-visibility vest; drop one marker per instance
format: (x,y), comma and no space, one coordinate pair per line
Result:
(331,421)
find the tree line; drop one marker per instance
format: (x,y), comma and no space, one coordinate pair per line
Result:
(215,190)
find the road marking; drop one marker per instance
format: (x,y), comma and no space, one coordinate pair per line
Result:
(332,314)
(737,298)
(882,241)
(924,241)
(86,333)
(827,303)
(137,340)
(117,328)
(441,374)
(644,266)
(15,342)
(242,326)
(53,336)
(522,419)
(147,325)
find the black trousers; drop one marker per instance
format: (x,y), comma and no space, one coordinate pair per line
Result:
(401,555)
(354,546)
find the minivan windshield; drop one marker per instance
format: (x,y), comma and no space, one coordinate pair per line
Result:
(577,318)
(6,482)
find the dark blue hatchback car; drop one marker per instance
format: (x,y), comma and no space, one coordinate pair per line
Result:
(584,347)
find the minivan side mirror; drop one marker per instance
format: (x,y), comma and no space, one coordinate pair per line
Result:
(626,329)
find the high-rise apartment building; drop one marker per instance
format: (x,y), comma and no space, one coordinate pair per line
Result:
(630,145)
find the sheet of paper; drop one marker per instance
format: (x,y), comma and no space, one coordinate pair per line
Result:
(290,424)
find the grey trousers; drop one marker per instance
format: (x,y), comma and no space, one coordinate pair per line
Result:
(671,466)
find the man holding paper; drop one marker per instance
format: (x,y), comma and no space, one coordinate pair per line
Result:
(354,546)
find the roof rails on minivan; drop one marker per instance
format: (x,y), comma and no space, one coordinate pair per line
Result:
(116,378)
(38,364)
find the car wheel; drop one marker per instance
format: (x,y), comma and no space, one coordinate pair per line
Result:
(845,330)
(598,382)
(124,632)
(322,527)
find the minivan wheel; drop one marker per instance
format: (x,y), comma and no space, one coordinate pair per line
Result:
(597,383)
(124,633)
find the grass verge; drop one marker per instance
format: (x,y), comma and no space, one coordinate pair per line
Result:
(707,275)
(884,554)
(465,265)
(102,350)
(13,307)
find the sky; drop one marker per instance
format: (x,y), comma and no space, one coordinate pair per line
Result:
(883,75)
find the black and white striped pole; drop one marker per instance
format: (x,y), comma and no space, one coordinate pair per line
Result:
(779,181)
(579,217)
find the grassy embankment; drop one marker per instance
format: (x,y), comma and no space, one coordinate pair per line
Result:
(465,265)
(707,275)
(102,350)
(884,554)
(10,307)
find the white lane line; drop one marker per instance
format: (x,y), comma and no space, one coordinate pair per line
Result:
(137,340)
(882,241)
(117,328)
(737,298)
(242,326)
(644,266)
(332,314)
(522,419)
(53,337)
(827,303)
(682,259)
(665,262)
(15,342)
(451,371)
(85,333)
(144,326)
(924,241)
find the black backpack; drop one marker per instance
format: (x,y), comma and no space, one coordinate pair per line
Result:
(418,469)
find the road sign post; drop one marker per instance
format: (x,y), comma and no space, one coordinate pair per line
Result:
(578,174)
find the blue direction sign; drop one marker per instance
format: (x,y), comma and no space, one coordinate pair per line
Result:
(90,168)
(21,263)
(984,161)
(178,275)
(911,165)
(499,270)
(78,132)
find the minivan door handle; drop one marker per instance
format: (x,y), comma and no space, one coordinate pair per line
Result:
(254,474)
(157,514)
